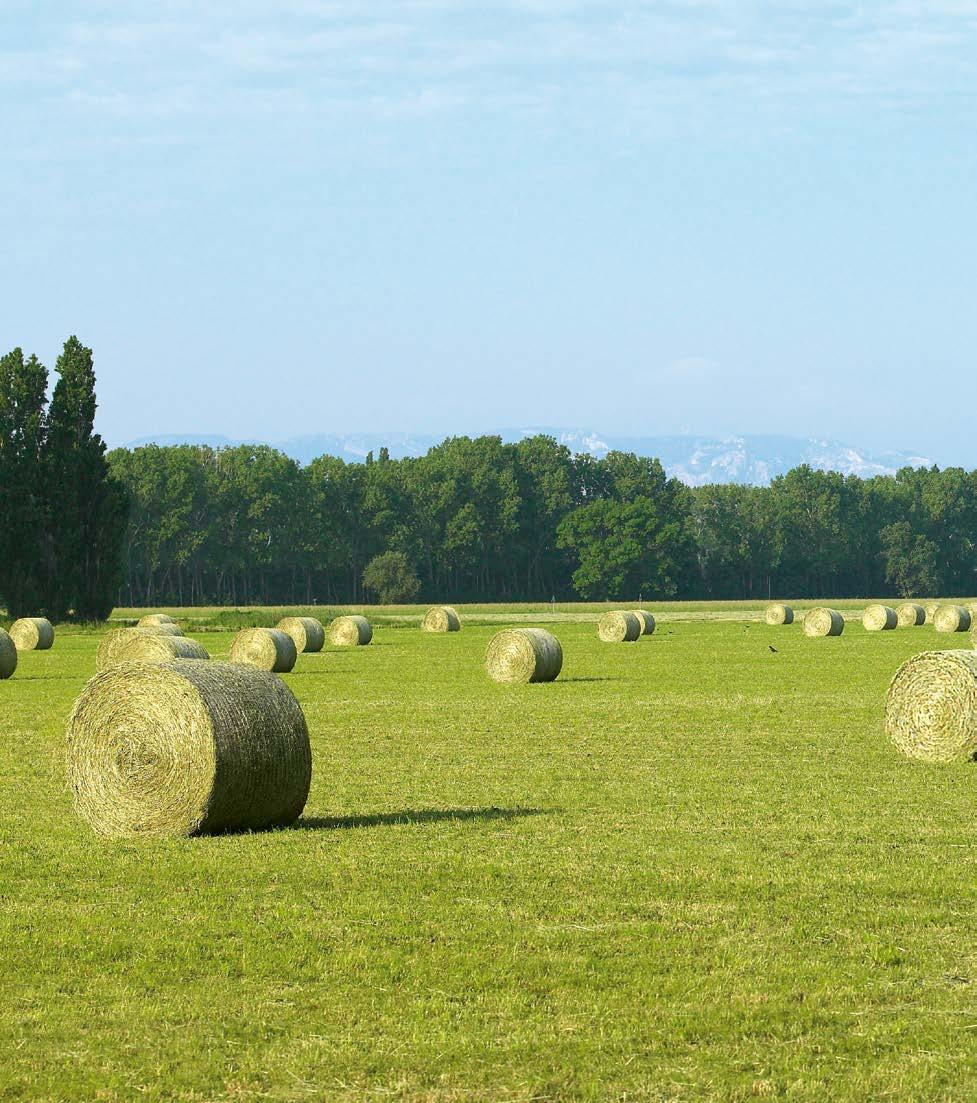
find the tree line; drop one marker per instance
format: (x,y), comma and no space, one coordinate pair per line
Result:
(62,515)
(480,520)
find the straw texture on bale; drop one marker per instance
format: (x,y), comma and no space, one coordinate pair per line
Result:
(8,655)
(307,633)
(951,618)
(519,655)
(146,645)
(931,608)
(618,627)
(879,618)
(931,706)
(910,615)
(266,648)
(350,632)
(187,748)
(779,614)
(441,619)
(32,634)
(646,620)
(155,618)
(824,622)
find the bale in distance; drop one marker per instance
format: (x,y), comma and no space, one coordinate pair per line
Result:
(187,748)
(951,618)
(931,706)
(8,655)
(779,614)
(931,608)
(350,632)
(824,622)
(146,645)
(266,648)
(153,619)
(521,655)
(910,615)
(32,634)
(307,633)
(879,618)
(618,627)
(442,618)
(646,620)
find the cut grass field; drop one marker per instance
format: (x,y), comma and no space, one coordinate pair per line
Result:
(690,869)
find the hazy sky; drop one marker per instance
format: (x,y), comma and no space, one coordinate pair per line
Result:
(716,216)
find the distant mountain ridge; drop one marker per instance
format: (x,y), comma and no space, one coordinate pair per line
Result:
(696,460)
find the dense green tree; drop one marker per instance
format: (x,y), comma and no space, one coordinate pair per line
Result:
(391,579)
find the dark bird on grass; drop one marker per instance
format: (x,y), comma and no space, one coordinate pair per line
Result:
(772,648)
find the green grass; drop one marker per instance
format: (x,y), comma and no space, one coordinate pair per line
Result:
(691,869)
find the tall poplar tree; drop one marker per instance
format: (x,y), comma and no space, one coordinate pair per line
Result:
(87,508)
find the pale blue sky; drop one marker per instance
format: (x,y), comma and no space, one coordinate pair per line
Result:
(713,216)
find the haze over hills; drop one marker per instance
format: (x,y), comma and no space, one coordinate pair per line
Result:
(696,460)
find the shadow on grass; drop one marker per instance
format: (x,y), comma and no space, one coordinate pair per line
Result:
(601,678)
(413,816)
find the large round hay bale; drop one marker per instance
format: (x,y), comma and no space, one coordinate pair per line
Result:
(154,618)
(350,632)
(910,615)
(779,614)
(823,622)
(8,655)
(32,634)
(931,608)
(646,620)
(931,706)
(307,633)
(266,648)
(618,627)
(879,618)
(518,655)
(187,748)
(146,645)
(442,618)
(951,618)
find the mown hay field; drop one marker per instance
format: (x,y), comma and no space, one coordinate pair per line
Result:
(690,869)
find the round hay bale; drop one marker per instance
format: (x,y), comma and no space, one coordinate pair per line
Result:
(521,655)
(8,655)
(931,706)
(618,627)
(931,608)
(442,618)
(187,748)
(910,615)
(779,614)
(350,632)
(307,633)
(32,634)
(646,620)
(146,645)
(879,618)
(266,648)
(154,618)
(951,618)
(824,622)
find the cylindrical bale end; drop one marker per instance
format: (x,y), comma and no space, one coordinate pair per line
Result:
(32,634)
(824,622)
(265,648)
(931,706)
(352,631)
(8,655)
(779,614)
(879,618)
(521,655)
(146,645)
(910,615)
(187,748)
(618,627)
(646,620)
(442,618)
(951,618)
(307,633)
(931,607)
